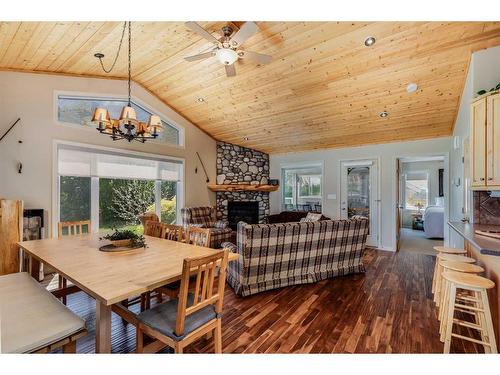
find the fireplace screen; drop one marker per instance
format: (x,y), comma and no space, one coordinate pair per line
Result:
(242,211)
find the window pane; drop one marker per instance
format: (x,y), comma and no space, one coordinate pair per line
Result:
(358,191)
(74,198)
(121,201)
(302,189)
(79,110)
(168,202)
(416,194)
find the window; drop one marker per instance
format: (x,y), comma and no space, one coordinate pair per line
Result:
(416,191)
(112,189)
(79,109)
(301,188)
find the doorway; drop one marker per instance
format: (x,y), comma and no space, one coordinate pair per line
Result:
(359,194)
(420,203)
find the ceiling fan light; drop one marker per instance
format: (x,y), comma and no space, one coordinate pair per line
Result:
(226,56)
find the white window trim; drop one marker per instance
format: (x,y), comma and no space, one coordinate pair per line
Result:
(297,165)
(146,106)
(94,199)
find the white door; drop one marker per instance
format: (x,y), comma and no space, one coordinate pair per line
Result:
(359,194)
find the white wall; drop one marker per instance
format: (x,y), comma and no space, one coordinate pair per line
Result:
(484,73)
(387,153)
(31,97)
(432,169)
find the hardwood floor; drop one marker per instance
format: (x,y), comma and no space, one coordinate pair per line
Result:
(387,310)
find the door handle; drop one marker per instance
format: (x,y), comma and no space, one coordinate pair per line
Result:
(481,179)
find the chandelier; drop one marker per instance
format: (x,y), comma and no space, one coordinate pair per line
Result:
(127,126)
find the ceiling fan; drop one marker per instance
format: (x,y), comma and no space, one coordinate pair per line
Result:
(227,47)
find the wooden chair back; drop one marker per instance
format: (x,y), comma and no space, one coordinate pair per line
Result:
(75,228)
(198,236)
(153,228)
(172,232)
(204,268)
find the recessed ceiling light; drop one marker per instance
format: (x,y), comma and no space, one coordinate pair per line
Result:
(201,100)
(370,41)
(383,114)
(412,87)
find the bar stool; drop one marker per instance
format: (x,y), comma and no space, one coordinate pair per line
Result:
(444,250)
(477,305)
(446,257)
(447,265)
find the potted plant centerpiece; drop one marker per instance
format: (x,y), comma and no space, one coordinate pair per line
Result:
(125,238)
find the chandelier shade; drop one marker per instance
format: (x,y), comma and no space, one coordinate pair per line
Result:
(128,114)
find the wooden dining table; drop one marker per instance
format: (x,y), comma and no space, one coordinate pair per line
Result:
(111,277)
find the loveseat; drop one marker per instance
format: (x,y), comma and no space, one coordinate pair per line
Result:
(279,255)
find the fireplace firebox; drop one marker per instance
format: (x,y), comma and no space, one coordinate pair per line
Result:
(242,211)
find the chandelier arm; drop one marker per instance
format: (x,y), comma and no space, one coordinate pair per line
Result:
(117,52)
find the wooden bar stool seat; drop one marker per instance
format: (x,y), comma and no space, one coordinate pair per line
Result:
(449,250)
(477,306)
(444,250)
(447,265)
(438,270)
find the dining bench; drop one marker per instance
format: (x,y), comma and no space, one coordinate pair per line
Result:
(32,320)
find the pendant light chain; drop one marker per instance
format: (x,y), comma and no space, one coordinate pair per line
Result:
(117,52)
(129,60)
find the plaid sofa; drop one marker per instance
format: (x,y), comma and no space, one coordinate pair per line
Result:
(279,255)
(205,217)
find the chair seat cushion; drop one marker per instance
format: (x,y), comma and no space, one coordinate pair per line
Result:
(163,317)
(31,317)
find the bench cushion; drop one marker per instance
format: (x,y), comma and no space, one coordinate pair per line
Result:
(31,317)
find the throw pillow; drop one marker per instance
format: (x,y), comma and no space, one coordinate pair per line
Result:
(313,217)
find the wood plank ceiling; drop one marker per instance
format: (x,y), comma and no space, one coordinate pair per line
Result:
(323,89)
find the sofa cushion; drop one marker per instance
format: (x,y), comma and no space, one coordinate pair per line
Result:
(163,318)
(31,317)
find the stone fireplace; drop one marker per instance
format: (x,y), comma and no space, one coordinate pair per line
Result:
(238,165)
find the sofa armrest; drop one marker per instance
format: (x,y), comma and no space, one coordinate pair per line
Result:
(230,246)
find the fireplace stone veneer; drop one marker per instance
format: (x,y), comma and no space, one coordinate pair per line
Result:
(241,165)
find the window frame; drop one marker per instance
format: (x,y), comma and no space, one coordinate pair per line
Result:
(94,182)
(103,96)
(302,165)
(426,173)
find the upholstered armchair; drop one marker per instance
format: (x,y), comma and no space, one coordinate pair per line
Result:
(204,217)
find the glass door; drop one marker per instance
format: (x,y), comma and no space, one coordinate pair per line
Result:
(359,194)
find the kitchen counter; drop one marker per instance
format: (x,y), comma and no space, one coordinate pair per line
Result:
(486,245)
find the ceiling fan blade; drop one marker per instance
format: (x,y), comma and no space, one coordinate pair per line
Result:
(258,57)
(230,70)
(201,31)
(201,56)
(245,32)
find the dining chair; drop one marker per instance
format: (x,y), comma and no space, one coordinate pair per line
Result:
(153,228)
(182,320)
(73,228)
(172,232)
(198,236)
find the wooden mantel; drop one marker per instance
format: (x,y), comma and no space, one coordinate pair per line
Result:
(243,187)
